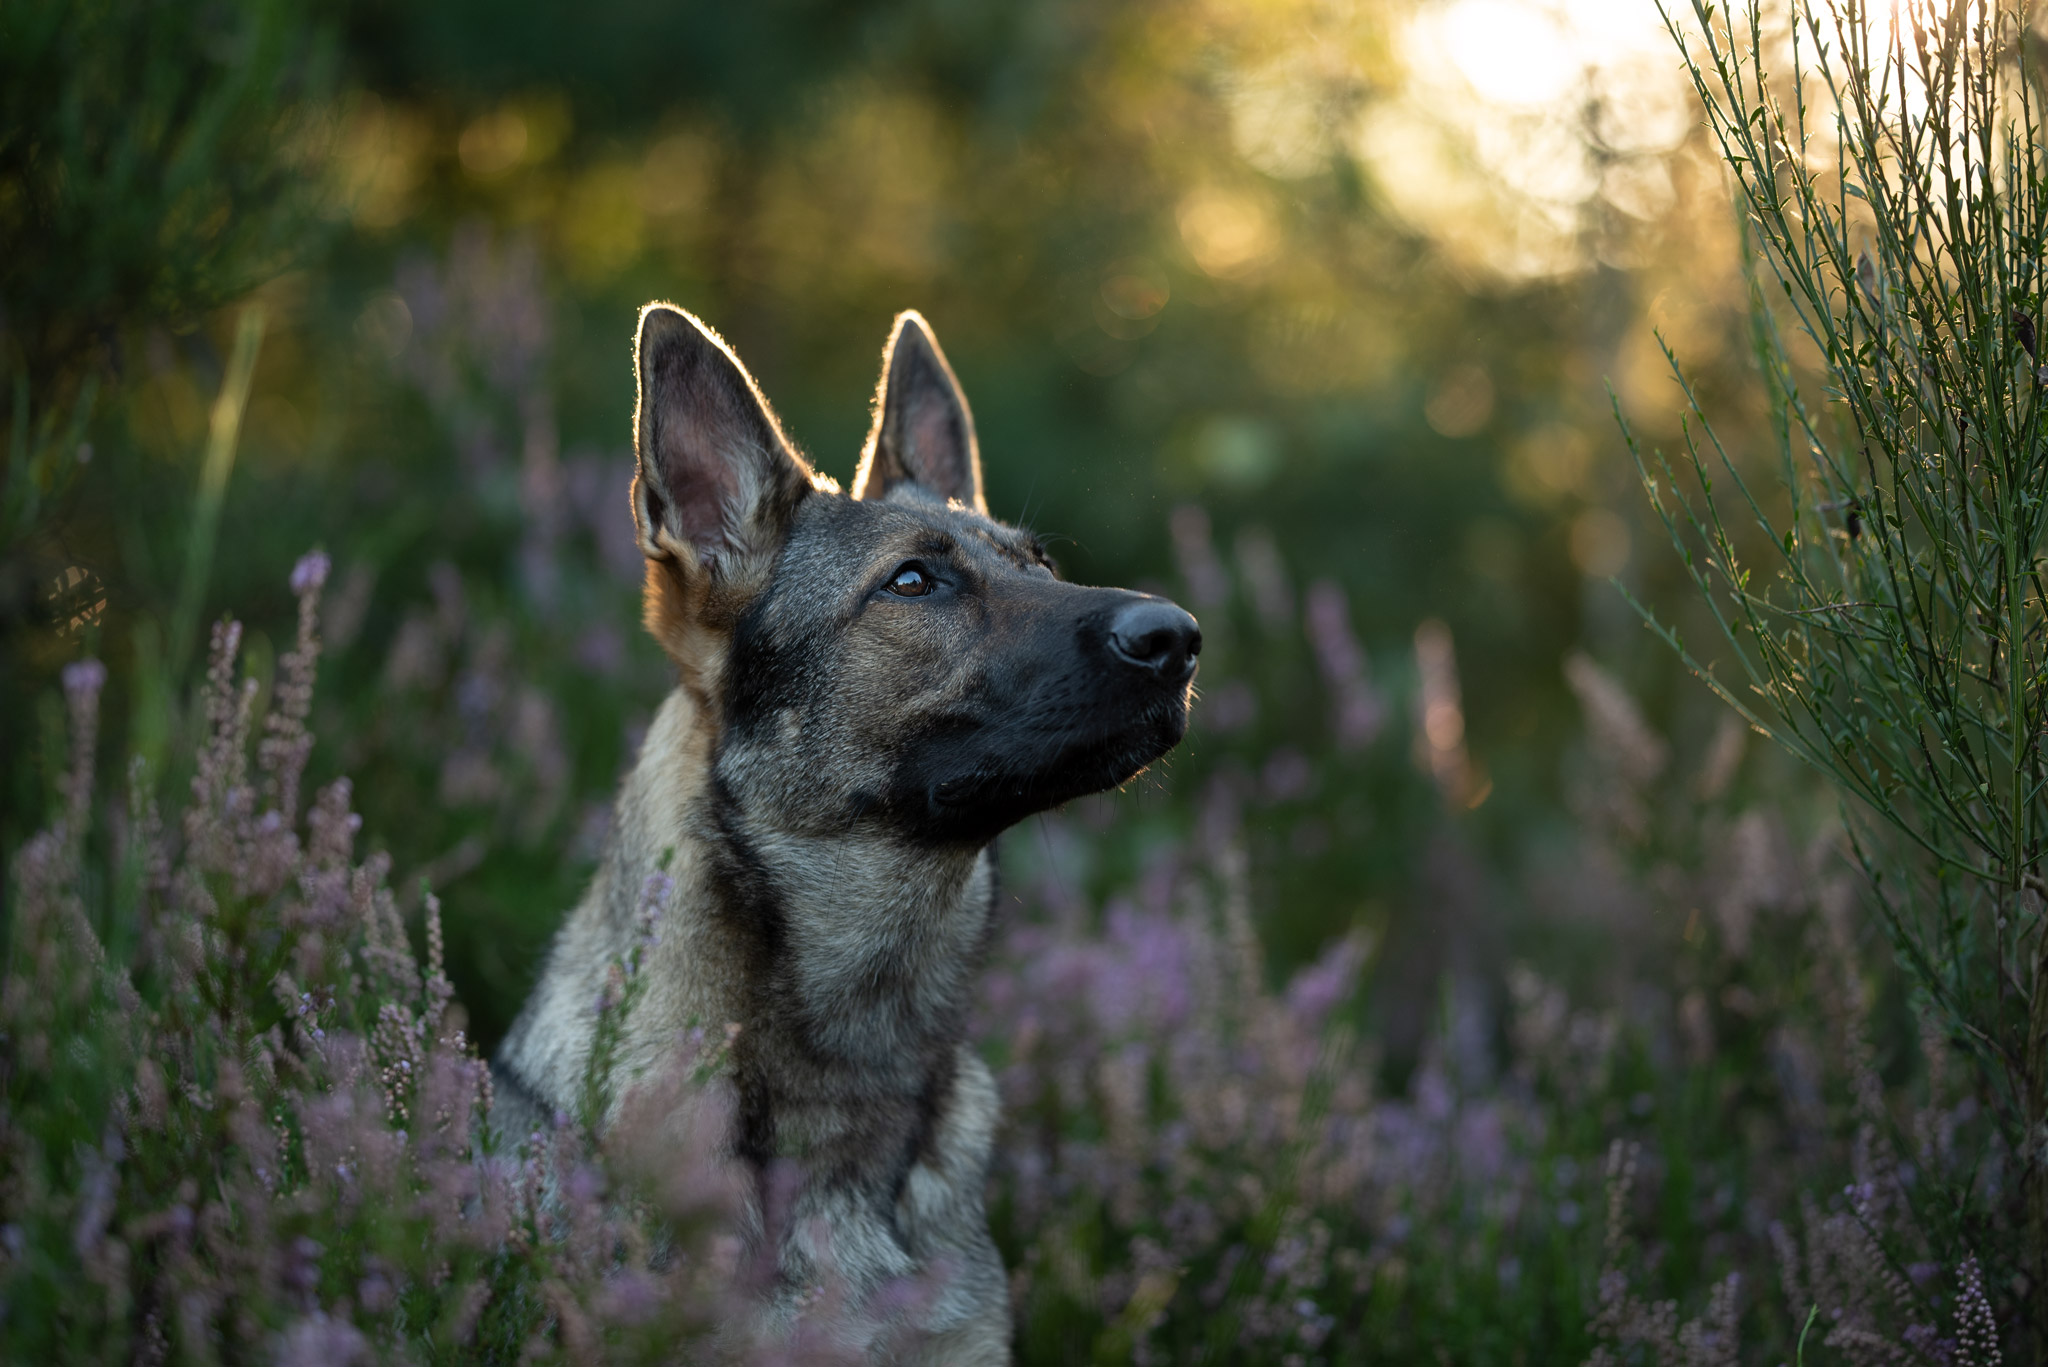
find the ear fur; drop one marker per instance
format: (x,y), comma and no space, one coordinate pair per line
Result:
(715,485)
(923,433)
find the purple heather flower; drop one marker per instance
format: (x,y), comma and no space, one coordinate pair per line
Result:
(320,1340)
(84,678)
(311,572)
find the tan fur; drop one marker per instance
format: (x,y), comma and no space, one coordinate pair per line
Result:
(673,608)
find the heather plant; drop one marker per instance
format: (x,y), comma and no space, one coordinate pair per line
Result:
(1200,1164)
(244,1117)
(1879,599)
(260,1130)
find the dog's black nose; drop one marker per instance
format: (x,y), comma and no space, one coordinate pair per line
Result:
(1156,635)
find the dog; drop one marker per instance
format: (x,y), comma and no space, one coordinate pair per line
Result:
(873,686)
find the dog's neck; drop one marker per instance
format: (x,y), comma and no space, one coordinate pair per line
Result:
(863,947)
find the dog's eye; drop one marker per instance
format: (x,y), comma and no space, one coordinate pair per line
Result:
(911,581)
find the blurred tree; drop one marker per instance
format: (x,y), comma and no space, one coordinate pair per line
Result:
(156,161)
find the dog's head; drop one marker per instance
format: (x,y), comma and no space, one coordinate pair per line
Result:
(893,655)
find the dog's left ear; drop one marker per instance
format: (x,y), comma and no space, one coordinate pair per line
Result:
(923,433)
(715,491)
(717,481)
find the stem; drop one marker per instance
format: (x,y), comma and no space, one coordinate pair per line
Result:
(223,434)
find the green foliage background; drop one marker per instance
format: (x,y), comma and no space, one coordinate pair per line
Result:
(1042,181)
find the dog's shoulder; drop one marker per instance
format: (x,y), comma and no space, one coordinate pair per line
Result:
(654,861)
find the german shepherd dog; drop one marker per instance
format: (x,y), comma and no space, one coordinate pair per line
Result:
(874,685)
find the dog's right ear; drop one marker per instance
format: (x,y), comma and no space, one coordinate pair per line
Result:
(716,482)
(923,434)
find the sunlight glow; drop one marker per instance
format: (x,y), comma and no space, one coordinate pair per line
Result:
(1510,52)
(1227,234)
(1517,114)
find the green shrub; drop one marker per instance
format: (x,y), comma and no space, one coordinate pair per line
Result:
(156,161)
(1882,602)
